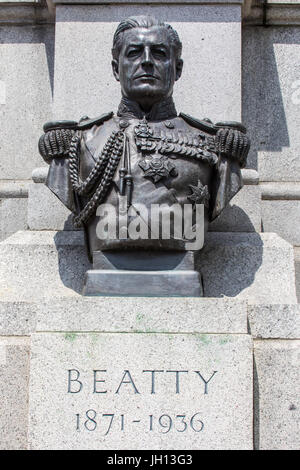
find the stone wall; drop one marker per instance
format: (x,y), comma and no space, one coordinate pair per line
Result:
(271,112)
(26,87)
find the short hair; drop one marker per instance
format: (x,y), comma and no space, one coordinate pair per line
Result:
(143,22)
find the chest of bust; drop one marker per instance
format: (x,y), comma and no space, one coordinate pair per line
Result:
(161,157)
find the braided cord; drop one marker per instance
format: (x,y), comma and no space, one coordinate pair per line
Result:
(84,187)
(112,161)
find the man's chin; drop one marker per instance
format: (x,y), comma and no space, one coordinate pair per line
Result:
(148,90)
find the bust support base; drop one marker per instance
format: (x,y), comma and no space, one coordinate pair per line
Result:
(143,273)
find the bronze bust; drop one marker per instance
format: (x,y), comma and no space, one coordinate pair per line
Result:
(146,152)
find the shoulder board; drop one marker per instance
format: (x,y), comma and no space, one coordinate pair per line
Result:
(233,125)
(84,123)
(52,125)
(209,127)
(204,126)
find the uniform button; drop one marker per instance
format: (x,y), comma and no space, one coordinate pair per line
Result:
(123,124)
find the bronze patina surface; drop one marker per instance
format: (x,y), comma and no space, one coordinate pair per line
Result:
(146,151)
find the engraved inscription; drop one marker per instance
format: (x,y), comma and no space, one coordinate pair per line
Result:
(129,383)
(169,382)
(91,420)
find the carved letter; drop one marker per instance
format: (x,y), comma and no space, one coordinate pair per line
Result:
(153,378)
(98,381)
(177,372)
(130,381)
(205,382)
(70,379)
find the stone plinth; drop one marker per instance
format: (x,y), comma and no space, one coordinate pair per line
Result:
(132,314)
(47,265)
(141,391)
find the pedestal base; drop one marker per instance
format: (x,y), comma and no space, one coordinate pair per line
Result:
(150,391)
(143,273)
(143,283)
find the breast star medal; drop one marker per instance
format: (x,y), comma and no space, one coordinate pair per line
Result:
(158,167)
(200,194)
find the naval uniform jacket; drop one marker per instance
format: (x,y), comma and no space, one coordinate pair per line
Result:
(217,174)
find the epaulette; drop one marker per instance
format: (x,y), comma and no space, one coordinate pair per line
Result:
(86,123)
(207,126)
(83,124)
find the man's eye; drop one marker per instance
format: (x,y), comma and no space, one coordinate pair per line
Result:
(133,53)
(159,53)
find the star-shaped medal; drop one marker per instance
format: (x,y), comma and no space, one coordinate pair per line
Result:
(158,167)
(200,194)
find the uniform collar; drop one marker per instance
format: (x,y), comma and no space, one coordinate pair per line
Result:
(159,112)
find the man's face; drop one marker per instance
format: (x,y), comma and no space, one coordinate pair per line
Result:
(147,67)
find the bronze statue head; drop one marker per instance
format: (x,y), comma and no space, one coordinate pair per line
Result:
(146,59)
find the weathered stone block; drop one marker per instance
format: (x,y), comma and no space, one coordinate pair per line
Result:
(274,321)
(13,189)
(124,404)
(256,267)
(243,214)
(17,318)
(282,217)
(56,217)
(27,56)
(13,216)
(133,314)
(276,394)
(37,265)
(14,383)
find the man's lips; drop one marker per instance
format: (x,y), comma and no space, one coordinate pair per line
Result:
(146,75)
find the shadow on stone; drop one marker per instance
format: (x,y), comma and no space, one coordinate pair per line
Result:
(297,271)
(232,219)
(255,407)
(263,112)
(68,224)
(73,261)
(228,262)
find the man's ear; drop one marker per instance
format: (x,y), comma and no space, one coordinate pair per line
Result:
(179,65)
(115,67)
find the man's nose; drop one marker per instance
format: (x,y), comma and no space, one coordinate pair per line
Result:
(147,57)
